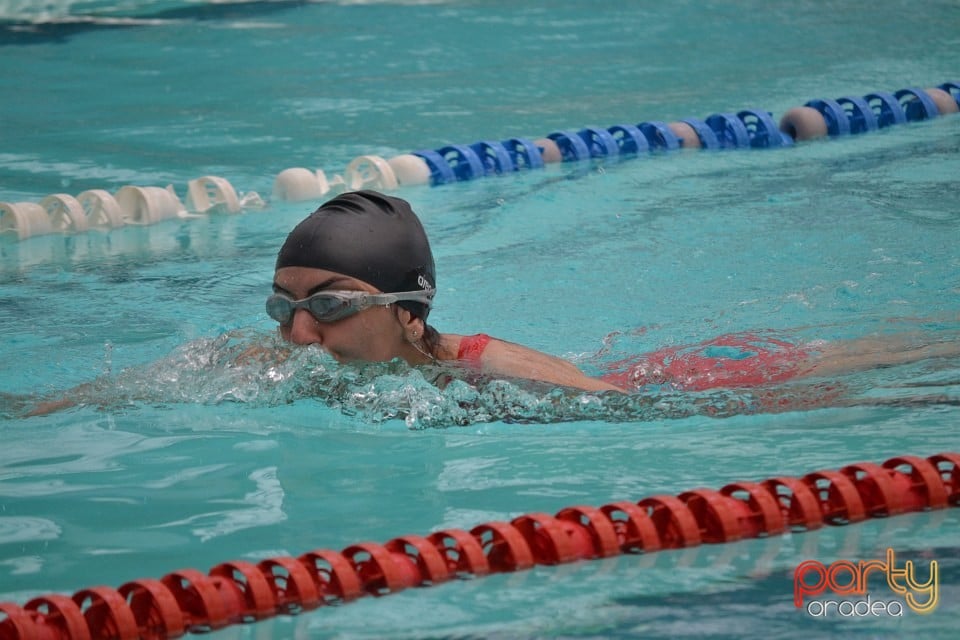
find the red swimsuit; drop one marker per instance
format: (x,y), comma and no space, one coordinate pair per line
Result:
(733,360)
(471,348)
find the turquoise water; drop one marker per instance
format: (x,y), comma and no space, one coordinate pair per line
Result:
(180,458)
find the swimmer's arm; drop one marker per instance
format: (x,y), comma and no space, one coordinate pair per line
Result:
(50,406)
(98,391)
(516,361)
(41,406)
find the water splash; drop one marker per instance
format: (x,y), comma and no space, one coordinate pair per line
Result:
(262,371)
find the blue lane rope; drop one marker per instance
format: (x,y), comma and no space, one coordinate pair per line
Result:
(746,129)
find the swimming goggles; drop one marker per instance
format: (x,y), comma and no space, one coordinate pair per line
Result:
(330,306)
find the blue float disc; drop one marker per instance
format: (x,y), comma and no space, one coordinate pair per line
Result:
(440,171)
(494,157)
(572,147)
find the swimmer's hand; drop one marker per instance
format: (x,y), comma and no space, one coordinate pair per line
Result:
(219,360)
(14,405)
(25,406)
(258,354)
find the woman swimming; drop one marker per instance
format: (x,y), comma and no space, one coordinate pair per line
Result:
(357,278)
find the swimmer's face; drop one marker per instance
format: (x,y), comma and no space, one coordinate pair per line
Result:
(376,334)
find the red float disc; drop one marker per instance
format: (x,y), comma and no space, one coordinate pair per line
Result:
(62,614)
(334,576)
(155,608)
(378,573)
(462,551)
(198,598)
(764,514)
(674,521)
(258,601)
(19,624)
(799,505)
(431,565)
(634,529)
(546,537)
(948,466)
(107,614)
(293,586)
(876,487)
(603,536)
(924,479)
(716,520)
(840,502)
(505,548)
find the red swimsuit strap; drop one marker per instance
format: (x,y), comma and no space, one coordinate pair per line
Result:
(471,347)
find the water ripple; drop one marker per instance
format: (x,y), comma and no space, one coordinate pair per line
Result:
(27,529)
(259,508)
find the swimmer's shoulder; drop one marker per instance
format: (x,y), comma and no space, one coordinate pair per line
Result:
(494,356)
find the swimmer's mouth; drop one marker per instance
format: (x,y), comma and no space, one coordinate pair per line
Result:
(336,356)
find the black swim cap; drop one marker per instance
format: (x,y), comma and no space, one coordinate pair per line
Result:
(368,236)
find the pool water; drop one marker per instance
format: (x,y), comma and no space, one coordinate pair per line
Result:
(181,456)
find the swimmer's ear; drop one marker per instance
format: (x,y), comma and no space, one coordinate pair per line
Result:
(413,325)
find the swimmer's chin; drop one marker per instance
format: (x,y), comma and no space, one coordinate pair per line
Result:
(340,358)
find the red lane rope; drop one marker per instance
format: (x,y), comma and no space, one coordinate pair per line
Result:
(239,592)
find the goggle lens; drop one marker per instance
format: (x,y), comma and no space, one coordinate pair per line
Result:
(322,306)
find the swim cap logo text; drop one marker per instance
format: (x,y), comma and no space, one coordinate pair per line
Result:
(846,578)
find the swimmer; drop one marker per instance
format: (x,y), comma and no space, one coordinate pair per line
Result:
(357,278)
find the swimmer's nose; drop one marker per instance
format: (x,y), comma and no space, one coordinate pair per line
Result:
(304,328)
